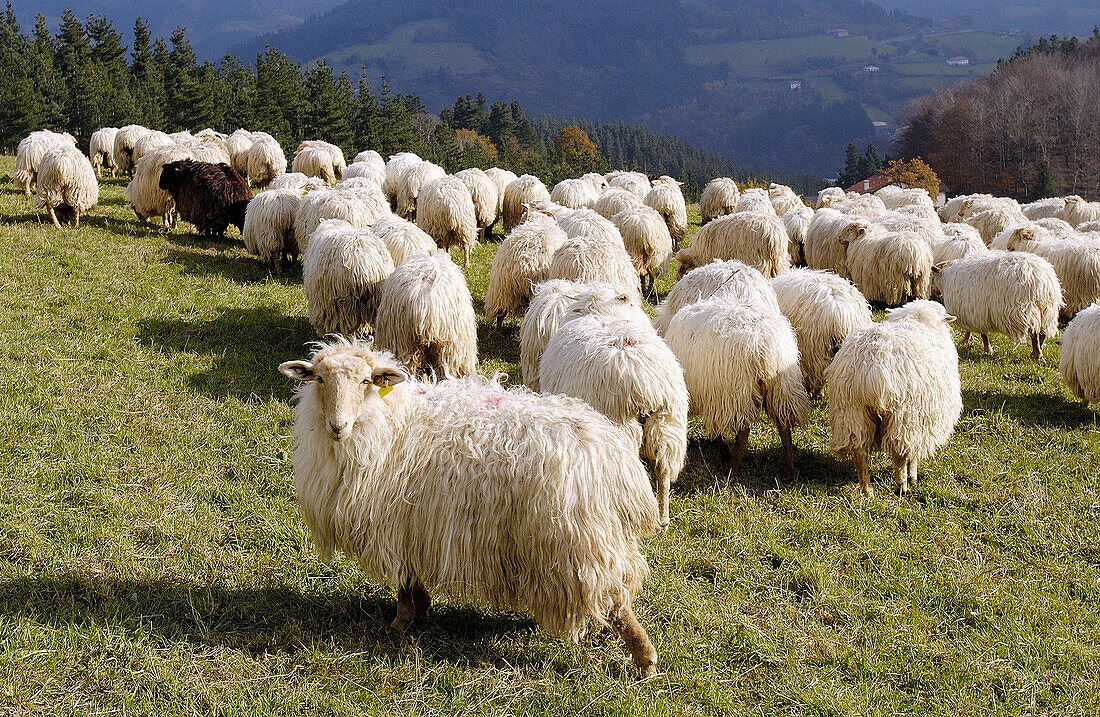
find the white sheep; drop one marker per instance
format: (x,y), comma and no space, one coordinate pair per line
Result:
(797,223)
(823,308)
(150,141)
(526,190)
(29,154)
(625,371)
(928,228)
(740,356)
(238,144)
(995,219)
(426,316)
(143,192)
(343,270)
(614,200)
(719,198)
(759,240)
(297,180)
(597,180)
(783,199)
(575,222)
(501,178)
(182,137)
(269,226)
(486,197)
(1012,293)
(594,257)
(371,157)
(101,150)
(463,490)
(828,196)
(445,211)
(648,242)
(1053,207)
(727,276)
(860,205)
(66,184)
(892,268)
(668,200)
(1076,261)
(401,237)
(522,260)
(894,386)
(959,240)
(314,166)
(913,200)
(368,171)
(634,182)
(827,239)
(411,182)
(1078,211)
(574,193)
(1079,361)
(322,204)
(1088,227)
(123,151)
(755,200)
(395,167)
(1057,227)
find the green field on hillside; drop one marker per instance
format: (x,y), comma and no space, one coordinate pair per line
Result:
(153,560)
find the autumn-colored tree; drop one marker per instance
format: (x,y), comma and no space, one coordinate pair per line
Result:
(913,173)
(473,143)
(573,143)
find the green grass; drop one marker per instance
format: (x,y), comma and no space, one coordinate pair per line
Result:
(152,559)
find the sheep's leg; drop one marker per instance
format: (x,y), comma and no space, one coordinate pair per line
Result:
(500,321)
(421,601)
(664,484)
(634,635)
(901,474)
(860,459)
(406,610)
(788,451)
(53,218)
(76,219)
(966,339)
(985,345)
(913,473)
(1036,354)
(740,445)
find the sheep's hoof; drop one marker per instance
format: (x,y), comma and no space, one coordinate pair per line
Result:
(401,625)
(649,670)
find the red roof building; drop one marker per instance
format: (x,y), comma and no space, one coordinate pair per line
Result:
(871,184)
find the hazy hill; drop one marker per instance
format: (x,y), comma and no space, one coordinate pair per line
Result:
(1064,17)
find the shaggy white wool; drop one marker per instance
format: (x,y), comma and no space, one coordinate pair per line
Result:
(526,190)
(269,225)
(1079,360)
(728,276)
(757,239)
(522,260)
(668,200)
(343,268)
(719,198)
(445,211)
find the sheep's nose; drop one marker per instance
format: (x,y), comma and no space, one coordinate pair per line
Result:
(337,431)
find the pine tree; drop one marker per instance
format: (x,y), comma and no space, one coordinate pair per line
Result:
(74,57)
(116,105)
(147,79)
(397,131)
(368,134)
(236,86)
(180,82)
(1044,181)
(47,80)
(281,103)
(326,117)
(20,109)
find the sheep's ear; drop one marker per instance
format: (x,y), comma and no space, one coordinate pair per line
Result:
(937,268)
(949,318)
(386,376)
(623,298)
(298,370)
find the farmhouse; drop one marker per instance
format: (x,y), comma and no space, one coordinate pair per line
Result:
(871,184)
(958,61)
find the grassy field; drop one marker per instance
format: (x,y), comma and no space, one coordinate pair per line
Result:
(152,559)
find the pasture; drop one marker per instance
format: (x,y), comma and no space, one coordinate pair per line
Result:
(152,558)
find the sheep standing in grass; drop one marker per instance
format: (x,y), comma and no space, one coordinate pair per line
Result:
(209,196)
(759,240)
(1075,261)
(445,211)
(486,198)
(959,240)
(143,192)
(728,276)
(647,241)
(1078,211)
(66,184)
(992,221)
(1079,361)
(315,162)
(123,151)
(614,200)
(501,178)
(343,269)
(238,144)
(298,181)
(892,268)
(754,199)
(323,204)
(797,223)
(783,199)
(29,154)
(574,193)
(894,386)
(527,190)
(719,198)
(397,165)
(101,150)
(634,182)
(1011,293)
(401,237)
(625,371)
(522,260)
(426,316)
(410,184)
(594,257)
(586,221)
(368,171)
(668,200)
(740,357)
(371,157)
(150,141)
(823,308)
(464,490)
(268,231)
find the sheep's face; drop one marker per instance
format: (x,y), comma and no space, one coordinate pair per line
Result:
(854,231)
(171,176)
(685,263)
(346,380)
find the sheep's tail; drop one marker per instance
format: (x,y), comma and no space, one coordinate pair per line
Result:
(785,397)
(664,441)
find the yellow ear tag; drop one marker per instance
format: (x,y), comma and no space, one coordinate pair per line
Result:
(384,390)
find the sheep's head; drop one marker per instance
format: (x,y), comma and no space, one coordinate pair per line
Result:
(685,262)
(856,229)
(927,312)
(347,376)
(171,176)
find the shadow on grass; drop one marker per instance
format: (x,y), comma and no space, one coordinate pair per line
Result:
(257,621)
(247,345)
(1035,409)
(241,269)
(707,467)
(493,343)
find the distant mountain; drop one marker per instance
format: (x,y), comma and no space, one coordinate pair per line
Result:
(1043,17)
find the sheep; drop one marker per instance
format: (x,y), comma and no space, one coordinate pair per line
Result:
(952,210)
(268,231)
(827,239)
(1052,207)
(597,180)
(719,198)
(860,205)
(668,200)
(1011,293)
(1088,227)
(1057,227)
(464,490)
(343,270)
(1079,361)
(588,221)
(1075,261)
(29,154)
(634,182)
(1078,211)
(123,151)
(501,178)
(411,183)
(369,156)
(829,196)
(315,162)
(892,268)
(426,316)
(759,240)
(209,196)
(727,276)
(959,240)
(445,211)
(992,221)
(894,386)
(298,181)
(797,223)
(211,153)
(523,191)
(931,230)
(366,170)
(823,308)
(150,141)
(336,167)
(401,237)
(66,184)
(555,301)
(594,257)
(625,371)
(238,144)
(614,200)
(395,167)
(143,192)
(574,193)
(323,204)
(101,149)
(182,137)
(523,259)
(647,241)
(740,356)
(913,200)
(754,200)
(486,197)
(783,199)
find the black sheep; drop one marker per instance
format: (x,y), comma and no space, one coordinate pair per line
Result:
(210,196)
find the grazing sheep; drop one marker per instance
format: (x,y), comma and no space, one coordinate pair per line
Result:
(860,205)
(892,268)
(797,223)
(1089,227)
(556,301)
(1057,227)
(211,153)
(238,144)
(298,181)
(526,190)
(123,151)
(647,241)
(594,257)
(343,270)
(914,200)
(1078,211)
(829,196)
(754,200)
(486,197)
(931,230)
(597,180)
(29,154)
(719,198)
(336,167)
(1051,207)
(401,237)
(410,184)
(823,308)
(501,178)
(182,137)
(727,276)
(759,240)
(464,490)
(1075,261)
(268,231)
(959,240)
(397,165)
(1079,361)
(588,221)
(994,220)
(1012,293)
(143,192)
(668,200)
(522,260)
(614,200)
(368,171)
(323,204)
(66,184)
(209,196)
(315,162)
(426,316)
(783,199)
(101,150)
(625,371)
(151,141)
(634,182)
(574,193)
(894,386)
(369,156)
(740,357)
(827,239)
(445,211)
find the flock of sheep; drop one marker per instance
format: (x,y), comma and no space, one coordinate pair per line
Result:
(442,482)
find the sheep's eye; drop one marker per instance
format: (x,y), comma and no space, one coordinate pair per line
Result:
(320,380)
(366,381)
